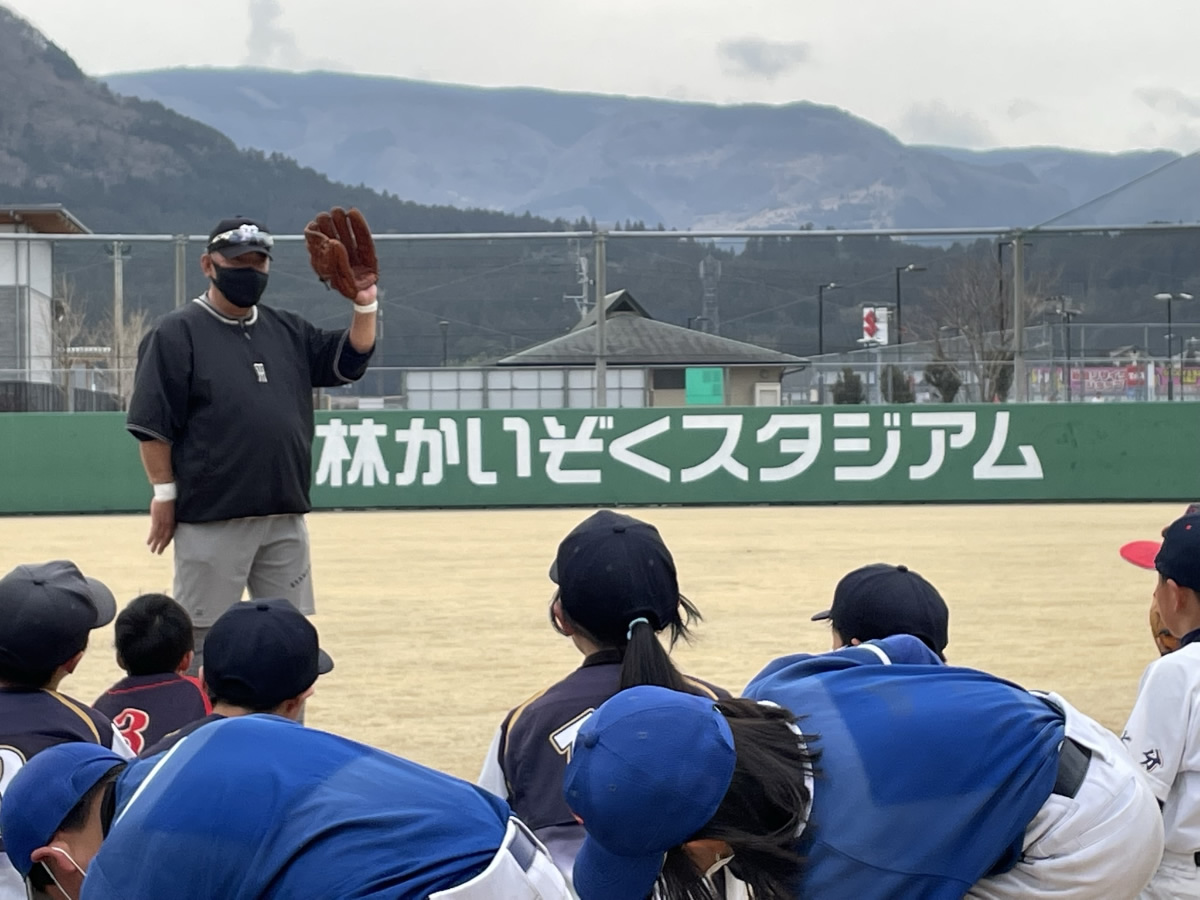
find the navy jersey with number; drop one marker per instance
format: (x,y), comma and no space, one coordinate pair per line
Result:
(146,708)
(30,721)
(534,748)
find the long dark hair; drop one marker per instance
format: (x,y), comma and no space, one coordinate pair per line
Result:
(763,812)
(643,659)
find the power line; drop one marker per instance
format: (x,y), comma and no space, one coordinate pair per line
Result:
(1116,190)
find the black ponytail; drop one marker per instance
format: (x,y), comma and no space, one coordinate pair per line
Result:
(644,661)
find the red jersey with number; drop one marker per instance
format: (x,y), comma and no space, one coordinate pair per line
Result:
(146,708)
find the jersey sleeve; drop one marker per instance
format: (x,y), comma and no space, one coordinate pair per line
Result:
(158,405)
(332,360)
(1158,728)
(491,776)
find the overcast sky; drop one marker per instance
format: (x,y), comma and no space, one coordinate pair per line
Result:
(1096,74)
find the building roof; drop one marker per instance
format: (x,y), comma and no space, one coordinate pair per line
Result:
(44,218)
(617,301)
(632,338)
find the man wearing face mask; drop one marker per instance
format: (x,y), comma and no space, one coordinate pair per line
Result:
(222,407)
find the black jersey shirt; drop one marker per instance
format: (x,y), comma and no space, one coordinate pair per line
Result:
(233,398)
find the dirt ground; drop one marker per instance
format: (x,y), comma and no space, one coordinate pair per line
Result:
(437,620)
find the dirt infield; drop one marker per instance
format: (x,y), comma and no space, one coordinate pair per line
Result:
(437,620)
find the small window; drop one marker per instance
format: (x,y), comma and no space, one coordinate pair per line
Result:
(669,379)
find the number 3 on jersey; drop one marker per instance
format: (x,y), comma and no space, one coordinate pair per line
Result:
(564,738)
(132,723)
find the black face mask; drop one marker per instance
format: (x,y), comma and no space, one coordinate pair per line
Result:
(241,287)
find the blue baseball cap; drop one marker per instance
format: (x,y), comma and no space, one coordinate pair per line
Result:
(44,791)
(262,652)
(612,569)
(648,770)
(881,600)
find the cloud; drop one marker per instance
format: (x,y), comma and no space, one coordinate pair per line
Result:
(934,122)
(751,57)
(269,42)
(1022,107)
(1169,100)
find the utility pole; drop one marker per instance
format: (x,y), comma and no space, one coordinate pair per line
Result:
(710,275)
(600,244)
(180,270)
(1021,382)
(581,277)
(118,253)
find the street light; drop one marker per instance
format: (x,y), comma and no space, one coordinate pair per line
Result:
(821,289)
(1066,314)
(1170,297)
(445,326)
(900,270)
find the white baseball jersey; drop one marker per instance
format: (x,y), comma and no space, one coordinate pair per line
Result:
(1163,737)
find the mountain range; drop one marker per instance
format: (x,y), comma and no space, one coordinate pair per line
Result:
(124,164)
(684,165)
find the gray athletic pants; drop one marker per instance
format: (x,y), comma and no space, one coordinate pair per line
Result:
(215,562)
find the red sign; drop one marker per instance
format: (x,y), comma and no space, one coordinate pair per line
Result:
(870,326)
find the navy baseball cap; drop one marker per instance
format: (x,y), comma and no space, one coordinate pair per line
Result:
(1177,556)
(1144,553)
(648,770)
(612,569)
(881,600)
(233,237)
(44,791)
(262,652)
(46,612)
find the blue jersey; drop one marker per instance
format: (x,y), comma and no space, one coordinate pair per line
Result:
(261,807)
(890,816)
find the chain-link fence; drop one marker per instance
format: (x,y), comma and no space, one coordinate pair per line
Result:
(480,321)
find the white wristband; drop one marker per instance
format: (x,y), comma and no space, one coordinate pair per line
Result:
(367,308)
(165,491)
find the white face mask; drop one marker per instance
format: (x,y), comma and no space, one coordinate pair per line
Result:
(718,864)
(50,871)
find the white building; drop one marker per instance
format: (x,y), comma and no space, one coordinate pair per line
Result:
(26,292)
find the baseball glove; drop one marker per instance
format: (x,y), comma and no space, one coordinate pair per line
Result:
(342,251)
(1163,639)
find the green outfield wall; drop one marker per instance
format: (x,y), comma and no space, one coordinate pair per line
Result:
(87,462)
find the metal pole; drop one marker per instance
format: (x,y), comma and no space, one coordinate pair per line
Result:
(600,242)
(1170,361)
(1018,293)
(1067,342)
(820,319)
(899,328)
(118,314)
(180,270)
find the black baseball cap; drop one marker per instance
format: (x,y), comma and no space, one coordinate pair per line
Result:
(46,612)
(881,600)
(1178,556)
(1144,554)
(233,237)
(612,569)
(262,652)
